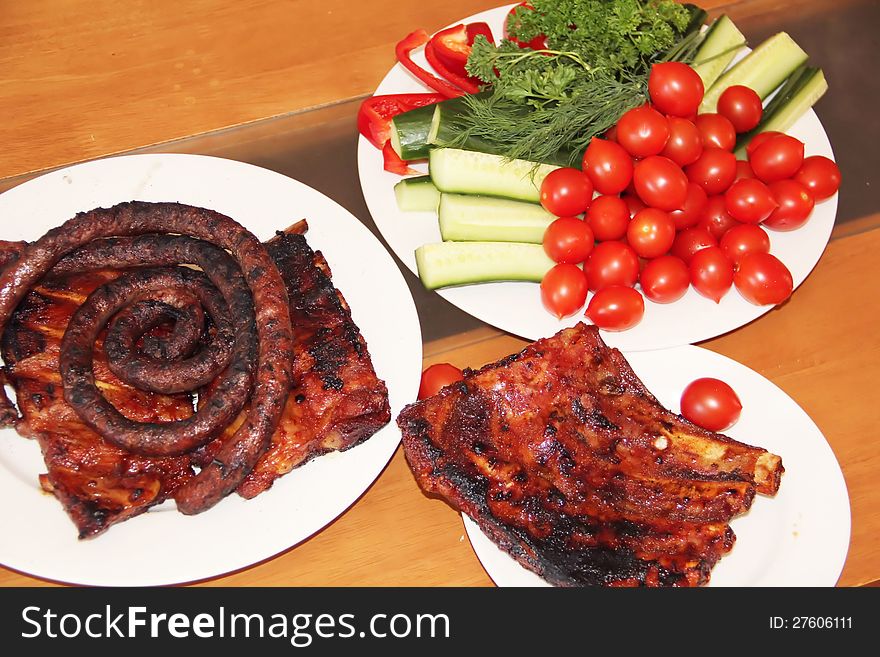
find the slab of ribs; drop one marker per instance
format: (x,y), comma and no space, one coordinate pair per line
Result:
(329,397)
(568,463)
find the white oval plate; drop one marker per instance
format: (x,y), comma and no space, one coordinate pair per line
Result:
(798,538)
(163,546)
(516,307)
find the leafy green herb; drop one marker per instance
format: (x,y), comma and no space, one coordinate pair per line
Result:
(546,105)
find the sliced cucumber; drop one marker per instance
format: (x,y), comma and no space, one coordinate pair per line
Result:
(469,172)
(720,44)
(460,263)
(763,69)
(409,133)
(466,218)
(417,194)
(799,93)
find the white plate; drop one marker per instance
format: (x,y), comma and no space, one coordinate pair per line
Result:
(163,546)
(798,538)
(516,307)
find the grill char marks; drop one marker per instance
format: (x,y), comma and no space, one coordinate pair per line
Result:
(580,474)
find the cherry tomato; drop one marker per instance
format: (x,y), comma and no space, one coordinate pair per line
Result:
(568,239)
(762,279)
(711,404)
(820,176)
(608,166)
(633,203)
(744,239)
(684,144)
(692,210)
(612,263)
(759,139)
(650,233)
(711,272)
(716,219)
(714,170)
(795,205)
(564,290)
(608,217)
(716,130)
(616,308)
(743,170)
(778,158)
(741,106)
(665,279)
(660,183)
(749,201)
(435,377)
(566,192)
(675,88)
(691,240)
(642,131)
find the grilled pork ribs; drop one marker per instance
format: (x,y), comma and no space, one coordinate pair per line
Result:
(337,400)
(567,462)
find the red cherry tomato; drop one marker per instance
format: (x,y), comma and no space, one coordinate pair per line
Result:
(777,158)
(660,183)
(744,239)
(762,279)
(608,217)
(741,106)
(435,377)
(714,170)
(743,170)
(566,192)
(616,308)
(716,130)
(711,273)
(691,240)
(716,219)
(642,131)
(665,279)
(564,290)
(759,139)
(612,263)
(608,166)
(795,205)
(650,233)
(711,404)
(568,239)
(633,203)
(820,176)
(675,88)
(692,210)
(684,144)
(749,201)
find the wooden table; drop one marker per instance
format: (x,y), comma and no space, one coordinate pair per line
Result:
(83,80)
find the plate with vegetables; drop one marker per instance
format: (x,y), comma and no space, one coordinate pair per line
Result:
(647,172)
(800,537)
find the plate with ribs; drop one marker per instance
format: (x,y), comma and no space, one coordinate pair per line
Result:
(199,368)
(571,467)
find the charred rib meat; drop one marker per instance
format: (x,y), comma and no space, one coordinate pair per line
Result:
(568,463)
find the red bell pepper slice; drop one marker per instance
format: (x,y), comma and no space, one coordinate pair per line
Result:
(410,43)
(452,47)
(538,43)
(465,83)
(375,114)
(393,163)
